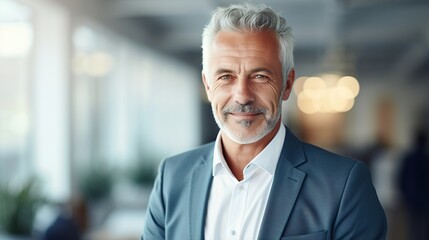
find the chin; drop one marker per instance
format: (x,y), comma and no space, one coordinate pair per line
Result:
(244,134)
(245,137)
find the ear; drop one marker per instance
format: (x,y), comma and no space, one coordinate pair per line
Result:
(289,84)
(206,85)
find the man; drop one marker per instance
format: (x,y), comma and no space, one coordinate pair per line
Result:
(257,180)
(414,185)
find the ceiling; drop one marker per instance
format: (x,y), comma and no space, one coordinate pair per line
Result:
(367,38)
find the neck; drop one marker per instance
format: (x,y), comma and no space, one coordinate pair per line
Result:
(239,155)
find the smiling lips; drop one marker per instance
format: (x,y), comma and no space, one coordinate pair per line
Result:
(244,115)
(243,111)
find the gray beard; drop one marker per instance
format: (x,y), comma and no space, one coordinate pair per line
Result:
(270,122)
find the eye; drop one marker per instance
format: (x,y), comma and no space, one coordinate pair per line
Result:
(261,77)
(225,77)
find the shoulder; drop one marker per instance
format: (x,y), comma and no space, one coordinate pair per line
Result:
(176,172)
(325,160)
(334,170)
(191,158)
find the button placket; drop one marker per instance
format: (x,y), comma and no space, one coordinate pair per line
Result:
(237,209)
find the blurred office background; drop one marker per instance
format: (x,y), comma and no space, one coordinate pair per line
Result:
(95,93)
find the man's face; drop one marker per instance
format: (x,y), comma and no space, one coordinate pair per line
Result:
(243,81)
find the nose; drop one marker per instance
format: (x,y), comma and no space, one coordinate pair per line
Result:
(243,93)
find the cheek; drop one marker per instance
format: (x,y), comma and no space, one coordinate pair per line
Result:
(271,97)
(220,98)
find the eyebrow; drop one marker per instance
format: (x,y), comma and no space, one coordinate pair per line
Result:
(259,69)
(223,70)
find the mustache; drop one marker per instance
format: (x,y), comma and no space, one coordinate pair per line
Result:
(244,108)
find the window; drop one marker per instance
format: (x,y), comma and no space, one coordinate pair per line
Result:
(16,40)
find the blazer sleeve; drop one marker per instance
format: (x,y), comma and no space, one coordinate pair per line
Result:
(154,226)
(360,214)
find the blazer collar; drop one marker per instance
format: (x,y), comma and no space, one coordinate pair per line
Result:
(287,183)
(199,193)
(292,149)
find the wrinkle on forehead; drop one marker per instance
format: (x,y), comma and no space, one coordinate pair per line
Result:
(244,51)
(243,42)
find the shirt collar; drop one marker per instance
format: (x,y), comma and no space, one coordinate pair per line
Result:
(266,159)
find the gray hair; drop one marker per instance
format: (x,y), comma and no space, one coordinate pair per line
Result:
(253,18)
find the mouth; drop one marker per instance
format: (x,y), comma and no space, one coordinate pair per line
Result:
(243,112)
(244,115)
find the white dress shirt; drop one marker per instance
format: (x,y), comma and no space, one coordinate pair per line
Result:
(236,208)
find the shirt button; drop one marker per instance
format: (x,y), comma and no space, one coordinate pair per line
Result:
(241,187)
(233,232)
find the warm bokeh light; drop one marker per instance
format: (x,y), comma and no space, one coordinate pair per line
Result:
(327,93)
(306,104)
(314,83)
(314,88)
(350,83)
(298,85)
(331,79)
(337,103)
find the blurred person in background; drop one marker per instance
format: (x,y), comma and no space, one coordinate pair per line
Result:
(257,180)
(70,224)
(414,185)
(384,160)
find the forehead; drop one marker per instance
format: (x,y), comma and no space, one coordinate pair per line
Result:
(246,41)
(244,48)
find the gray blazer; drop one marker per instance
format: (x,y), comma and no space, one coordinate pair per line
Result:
(315,195)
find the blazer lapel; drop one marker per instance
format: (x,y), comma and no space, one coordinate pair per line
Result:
(287,183)
(199,193)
